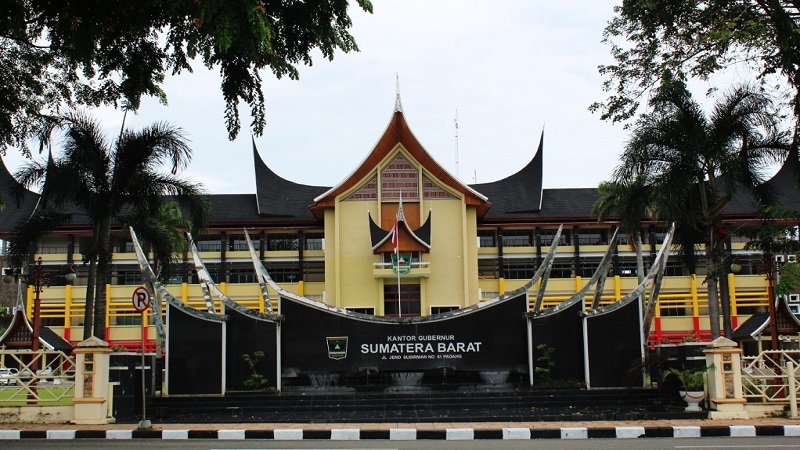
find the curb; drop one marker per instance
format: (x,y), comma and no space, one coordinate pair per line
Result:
(411,434)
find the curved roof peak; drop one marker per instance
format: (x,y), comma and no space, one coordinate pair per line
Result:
(278,197)
(519,193)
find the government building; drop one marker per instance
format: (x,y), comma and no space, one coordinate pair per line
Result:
(400,236)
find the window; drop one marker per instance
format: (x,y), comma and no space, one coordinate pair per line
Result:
(673,312)
(627,266)
(402,302)
(313,270)
(562,268)
(442,309)
(209,244)
(674,268)
(487,268)
(282,242)
(283,272)
(588,266)
(242,275)
(214,271)
(546,237)
(314,241)
(239,244)
(517,238)
(121,247)
(486,238)
(592,237)
(129,320)
(129,277)
(519,268)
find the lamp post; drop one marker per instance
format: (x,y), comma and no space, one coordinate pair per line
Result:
(38,280)
(769,268)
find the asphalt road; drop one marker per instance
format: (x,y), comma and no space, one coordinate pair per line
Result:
(752,443)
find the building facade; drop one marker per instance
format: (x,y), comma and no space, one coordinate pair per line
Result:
(454,245)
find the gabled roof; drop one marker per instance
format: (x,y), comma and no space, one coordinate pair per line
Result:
(757,324)
(281,200)
(518,195)
(398,132)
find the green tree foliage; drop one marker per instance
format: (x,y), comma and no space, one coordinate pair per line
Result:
(106,182)
(694,38)
(58,54)
(691,165)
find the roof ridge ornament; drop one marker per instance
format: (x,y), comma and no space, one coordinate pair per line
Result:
(398,105)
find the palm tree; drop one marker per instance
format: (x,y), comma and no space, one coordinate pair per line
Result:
(107,181)
(692,165)
(162,233)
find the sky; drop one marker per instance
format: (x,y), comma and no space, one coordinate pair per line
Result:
(506,71)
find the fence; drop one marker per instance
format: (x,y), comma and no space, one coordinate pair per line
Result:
(44,377)
(772,377)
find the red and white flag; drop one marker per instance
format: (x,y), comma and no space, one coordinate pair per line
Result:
(395,238)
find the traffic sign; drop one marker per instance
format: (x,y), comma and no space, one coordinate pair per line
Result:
(141,299)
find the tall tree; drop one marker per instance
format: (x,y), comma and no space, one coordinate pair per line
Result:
(106,182)
(696,38)
(692,165)
(58,54)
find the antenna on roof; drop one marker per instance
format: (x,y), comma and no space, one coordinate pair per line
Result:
(398,105)
(456,122)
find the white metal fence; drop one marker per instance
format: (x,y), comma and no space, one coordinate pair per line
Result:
(42,377)
(772,377)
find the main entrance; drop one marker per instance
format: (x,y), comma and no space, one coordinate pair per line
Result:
(406,300)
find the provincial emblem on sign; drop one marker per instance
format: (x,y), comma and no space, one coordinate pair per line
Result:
(401,263)
(337,347)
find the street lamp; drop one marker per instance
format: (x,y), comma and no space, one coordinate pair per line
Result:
(769,270)
(38,279)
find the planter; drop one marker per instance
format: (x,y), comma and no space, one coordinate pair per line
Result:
(692,399)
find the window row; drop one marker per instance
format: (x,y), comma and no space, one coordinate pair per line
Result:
(524,268)
(281,272)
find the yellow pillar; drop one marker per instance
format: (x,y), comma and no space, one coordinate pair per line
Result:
(108,310)
(724,379)
(732,294)
(300,288)
(501,286)
(93,392)
(67,311)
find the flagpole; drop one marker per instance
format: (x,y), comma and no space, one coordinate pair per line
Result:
(397,254)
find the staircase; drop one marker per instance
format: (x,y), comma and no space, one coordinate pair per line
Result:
(477,405)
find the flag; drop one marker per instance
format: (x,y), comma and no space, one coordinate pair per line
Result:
(395,237)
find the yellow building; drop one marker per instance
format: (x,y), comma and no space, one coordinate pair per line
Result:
(456,244)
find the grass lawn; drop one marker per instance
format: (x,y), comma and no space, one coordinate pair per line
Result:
(48,395)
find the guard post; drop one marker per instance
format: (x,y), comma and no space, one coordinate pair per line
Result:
(93,399)
(724,373)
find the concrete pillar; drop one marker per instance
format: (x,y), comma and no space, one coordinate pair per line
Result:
(93,393)
(723,359)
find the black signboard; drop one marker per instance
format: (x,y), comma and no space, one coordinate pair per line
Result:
(615,348)
(561,332)
(194,354)
(493,337)
(247,335)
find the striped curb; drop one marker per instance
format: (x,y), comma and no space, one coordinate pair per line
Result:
(411,434)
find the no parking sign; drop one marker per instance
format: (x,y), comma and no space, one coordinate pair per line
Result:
(141,299)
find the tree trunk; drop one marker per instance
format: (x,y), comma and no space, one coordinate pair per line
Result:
(713,298)
(103,266)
